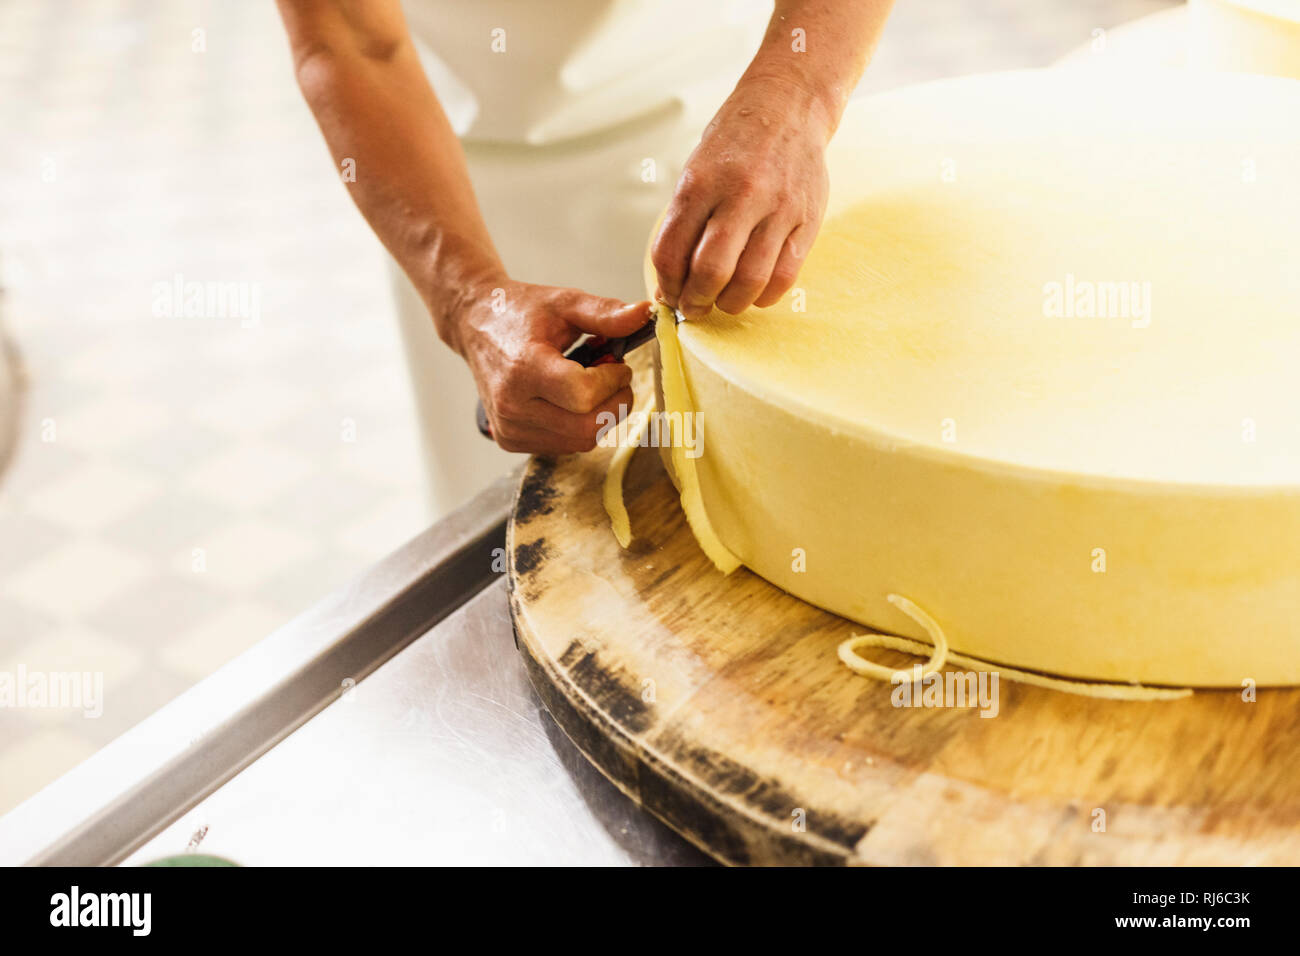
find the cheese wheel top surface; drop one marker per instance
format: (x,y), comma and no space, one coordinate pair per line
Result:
(1058,271)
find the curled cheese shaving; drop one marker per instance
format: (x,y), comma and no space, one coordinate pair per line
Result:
(860,665)
(677,399)
(939,654)
(612,493)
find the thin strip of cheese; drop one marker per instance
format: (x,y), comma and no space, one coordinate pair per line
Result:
(940,655)
(1040,368)
(677,403)
(937,650)
(612,492)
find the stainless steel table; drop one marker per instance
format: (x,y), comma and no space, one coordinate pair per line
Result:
(358,734)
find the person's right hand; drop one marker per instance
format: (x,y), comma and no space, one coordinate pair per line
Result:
(513,335)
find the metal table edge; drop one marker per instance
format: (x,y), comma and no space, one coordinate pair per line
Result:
(102,810)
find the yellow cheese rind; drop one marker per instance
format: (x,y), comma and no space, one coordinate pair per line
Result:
(1119,503)
(677,402)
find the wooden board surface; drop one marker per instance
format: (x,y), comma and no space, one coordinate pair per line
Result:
(719,704)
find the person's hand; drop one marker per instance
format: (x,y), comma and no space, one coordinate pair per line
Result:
(513,335)
(748,204)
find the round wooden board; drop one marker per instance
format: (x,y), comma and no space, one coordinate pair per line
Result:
(718,703)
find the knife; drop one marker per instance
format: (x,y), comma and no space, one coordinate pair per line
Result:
(593,350)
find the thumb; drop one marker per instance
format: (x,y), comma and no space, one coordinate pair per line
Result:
(608,317)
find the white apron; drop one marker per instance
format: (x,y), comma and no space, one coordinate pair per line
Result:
(576,117)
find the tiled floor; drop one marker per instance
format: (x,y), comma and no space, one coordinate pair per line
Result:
(182,485)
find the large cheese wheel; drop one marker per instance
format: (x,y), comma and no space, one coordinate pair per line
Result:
(937,411)
(1248,36)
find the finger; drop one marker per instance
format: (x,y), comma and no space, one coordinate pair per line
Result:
(576,389)
(584,427)
(713,263)
(535,441)
(678,236)
(608,414)
(611,318)
(754,270)
(786,271)
(546,428)
(525,431)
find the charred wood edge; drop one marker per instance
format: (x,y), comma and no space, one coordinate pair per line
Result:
(740,833)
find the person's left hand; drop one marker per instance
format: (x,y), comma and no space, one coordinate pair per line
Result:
(749,202)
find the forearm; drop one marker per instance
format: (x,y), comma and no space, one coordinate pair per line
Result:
(375,107)
(752,196)
(820,65)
